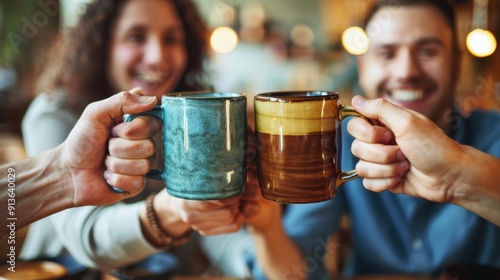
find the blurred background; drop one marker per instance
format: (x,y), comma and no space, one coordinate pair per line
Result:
(256,46)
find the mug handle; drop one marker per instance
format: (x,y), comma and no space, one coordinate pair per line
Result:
(157,113)
(344,112)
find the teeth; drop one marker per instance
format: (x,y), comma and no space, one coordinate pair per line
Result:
(407,95)
(151,76)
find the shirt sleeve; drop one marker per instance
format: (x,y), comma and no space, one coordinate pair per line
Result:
(46,124)
(103,237)
(229,253)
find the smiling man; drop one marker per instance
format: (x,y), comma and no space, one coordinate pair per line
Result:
(413,61)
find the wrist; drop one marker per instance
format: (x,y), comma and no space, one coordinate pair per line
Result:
(162,232)
(475,174)
(56,166)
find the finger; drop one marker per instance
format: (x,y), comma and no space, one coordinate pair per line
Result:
(376,152)
(139,128)
(131,185)
(361,129)
(127,166)
(109,109)
(127,149)
(379,171)
(207,223)
(220,203)
(380,185)
(224,216)
(396,118)
(219,230)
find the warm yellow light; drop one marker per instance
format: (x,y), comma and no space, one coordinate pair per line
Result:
(355,40)
(223,40)
(481,42)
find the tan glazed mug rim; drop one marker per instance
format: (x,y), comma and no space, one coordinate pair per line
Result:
(296,95)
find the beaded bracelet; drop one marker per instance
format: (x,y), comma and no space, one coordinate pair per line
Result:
(160,234)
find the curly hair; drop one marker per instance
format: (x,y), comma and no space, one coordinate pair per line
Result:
(78,64)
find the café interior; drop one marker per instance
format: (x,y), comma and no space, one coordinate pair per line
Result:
(255,46)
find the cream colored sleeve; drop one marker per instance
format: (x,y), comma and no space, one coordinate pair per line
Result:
(103,237)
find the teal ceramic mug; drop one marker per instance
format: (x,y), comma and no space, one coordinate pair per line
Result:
(204,140)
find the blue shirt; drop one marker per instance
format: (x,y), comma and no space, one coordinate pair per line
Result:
(396,233)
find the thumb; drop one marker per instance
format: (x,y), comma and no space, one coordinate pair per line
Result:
(109,109)
(392,116)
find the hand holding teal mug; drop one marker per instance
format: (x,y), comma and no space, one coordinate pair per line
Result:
(204,141)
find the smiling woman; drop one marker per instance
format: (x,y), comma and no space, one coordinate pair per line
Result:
(158,45)
(112,34)
(147,48)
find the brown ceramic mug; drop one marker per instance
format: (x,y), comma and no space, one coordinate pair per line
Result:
(298,145)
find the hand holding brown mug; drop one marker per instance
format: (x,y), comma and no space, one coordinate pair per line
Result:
(298,145)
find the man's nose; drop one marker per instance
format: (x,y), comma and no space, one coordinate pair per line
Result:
(407,66)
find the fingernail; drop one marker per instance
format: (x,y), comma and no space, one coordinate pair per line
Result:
(115,132)
(405,166)
(146,99)
(107,175)
(359,100)
(387,137)
(400,155)
(156,124)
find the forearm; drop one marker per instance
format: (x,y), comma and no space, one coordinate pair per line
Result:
(278,256)
(478,188)
(36,185)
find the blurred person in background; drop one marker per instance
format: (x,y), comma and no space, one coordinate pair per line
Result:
(160,46)
(404,220)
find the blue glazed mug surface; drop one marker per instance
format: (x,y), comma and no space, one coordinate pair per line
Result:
(204,140)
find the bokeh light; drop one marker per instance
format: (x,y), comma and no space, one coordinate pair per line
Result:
(223,40)
(355,41)
(481,43)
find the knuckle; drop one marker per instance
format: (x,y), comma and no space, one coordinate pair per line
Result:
(140,166)
(128,129)
(113,180)
(145,166)
(137,183)
(360,169)
(355,148)
(113,146)
(384,156)
(123,96)
(147,148)
(112,165)
(189,218)
(389,171)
